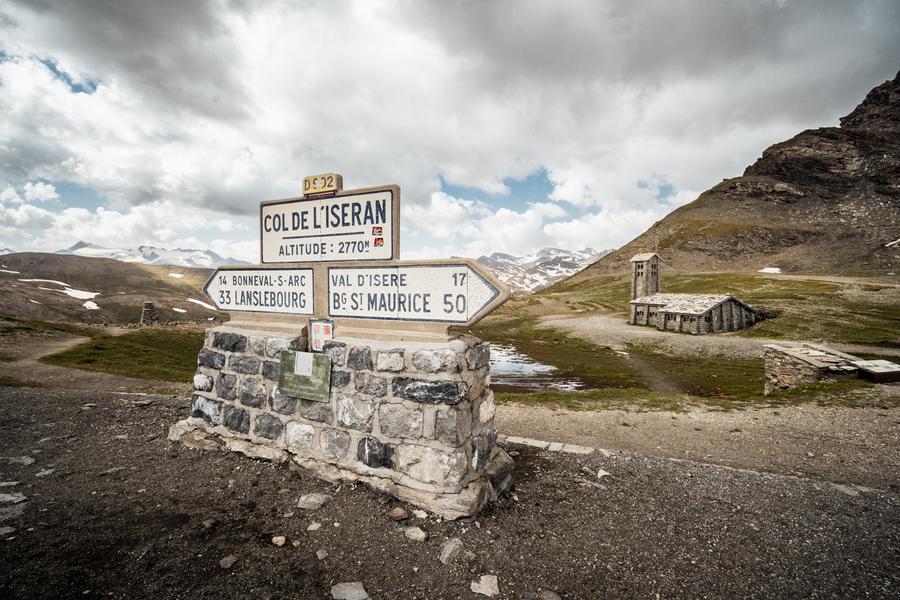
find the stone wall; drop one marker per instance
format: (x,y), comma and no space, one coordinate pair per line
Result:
(785,372)
(414,420)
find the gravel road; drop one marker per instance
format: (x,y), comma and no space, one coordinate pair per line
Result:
(112,509)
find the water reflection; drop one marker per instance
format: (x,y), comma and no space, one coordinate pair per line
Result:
(513,371)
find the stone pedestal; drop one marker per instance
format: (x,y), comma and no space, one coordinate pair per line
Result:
(412,419)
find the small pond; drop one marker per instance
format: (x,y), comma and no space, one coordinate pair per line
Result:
(513,371)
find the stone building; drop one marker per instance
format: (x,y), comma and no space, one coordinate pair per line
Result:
(685,313)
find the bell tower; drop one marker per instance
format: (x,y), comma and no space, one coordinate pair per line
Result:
(645,276)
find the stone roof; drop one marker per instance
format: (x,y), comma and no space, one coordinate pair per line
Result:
(820,357)
(686,304)
(643,257)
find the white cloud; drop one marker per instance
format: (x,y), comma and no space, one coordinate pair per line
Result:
(209,108)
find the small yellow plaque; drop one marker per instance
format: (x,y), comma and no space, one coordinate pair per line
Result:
(321,184)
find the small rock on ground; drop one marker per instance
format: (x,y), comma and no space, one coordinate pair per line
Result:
(321,554)
(314,526)
(349,591)
(14,498)
(420,514)
(416,534)
(451,550)
(312,501)
(279,540)
(549,595)
(399,514)
(486,585)
(7,530)
(228,561)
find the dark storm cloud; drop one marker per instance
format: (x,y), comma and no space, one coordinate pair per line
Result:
(178,53)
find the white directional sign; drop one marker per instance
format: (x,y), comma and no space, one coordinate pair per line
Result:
(443,292)
(353,225)
(287,291)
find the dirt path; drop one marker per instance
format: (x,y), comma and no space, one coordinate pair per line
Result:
(842,445)
(107,507)
(615,332)
(27,367)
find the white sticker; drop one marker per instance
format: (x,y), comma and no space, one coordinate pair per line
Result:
(303,362)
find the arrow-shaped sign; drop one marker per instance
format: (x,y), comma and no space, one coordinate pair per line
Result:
(455,292)
(286,291)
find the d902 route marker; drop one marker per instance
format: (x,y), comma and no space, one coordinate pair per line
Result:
(285,291)
(451,292)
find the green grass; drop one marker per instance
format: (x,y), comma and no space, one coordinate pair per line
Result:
(596,399)
(12,325)
(807,309)
(162,354)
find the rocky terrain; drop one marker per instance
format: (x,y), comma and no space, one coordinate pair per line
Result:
(53,287)
(537,271)
(825,201)
(151,255)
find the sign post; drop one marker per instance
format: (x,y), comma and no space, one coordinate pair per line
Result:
(305,245)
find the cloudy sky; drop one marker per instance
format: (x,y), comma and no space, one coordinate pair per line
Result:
(509,125)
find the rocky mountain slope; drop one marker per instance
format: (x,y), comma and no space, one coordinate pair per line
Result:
(56,287)
(537,271)
(151,255)
(825,201)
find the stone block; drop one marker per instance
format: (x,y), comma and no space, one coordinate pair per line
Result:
(334,443)
(430,465)
(480,453)
(336,351)
(400,421)
(226,386)
(276,345)
(271,370)
(244,364)
(268,427)
(211,359)
(257,345)
(355,411)
(390,360)
(339,379)
(299,344)
(431,392)
(374,453)
(229,341)
(452,426)
(316,411)
(373,385)
(478,356)
(206,409)
(433,361)
(236,419)
(252,392)
(283,404)
(487,409)
(203,382)
(360,358)
(299,436)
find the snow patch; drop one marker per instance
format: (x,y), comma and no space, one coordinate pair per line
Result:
(894,243)
(91,305)
(33,301)
(179,310)
(80,294)
(45,281)
(201,303)
(176,275)
(10,272)
(770,270)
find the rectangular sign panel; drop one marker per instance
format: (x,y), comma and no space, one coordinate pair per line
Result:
(353,225)
(305,375)
(286,291)
(444,293)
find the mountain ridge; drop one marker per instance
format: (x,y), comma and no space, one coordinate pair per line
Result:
(533,272)
(152,255)
(824,201)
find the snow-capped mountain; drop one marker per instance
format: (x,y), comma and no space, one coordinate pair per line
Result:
(151,255)
(6,251)
(537,271)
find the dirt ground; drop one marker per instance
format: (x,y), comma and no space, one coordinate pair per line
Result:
(110,508)
(615,332)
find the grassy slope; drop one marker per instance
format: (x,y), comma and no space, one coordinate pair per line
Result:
(163,354)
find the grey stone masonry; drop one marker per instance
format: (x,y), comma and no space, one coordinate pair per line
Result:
(412,419)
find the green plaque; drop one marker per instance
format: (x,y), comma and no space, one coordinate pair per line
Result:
(305,375)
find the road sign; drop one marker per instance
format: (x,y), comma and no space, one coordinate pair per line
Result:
(347,226)
(285,291)
(452,292)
